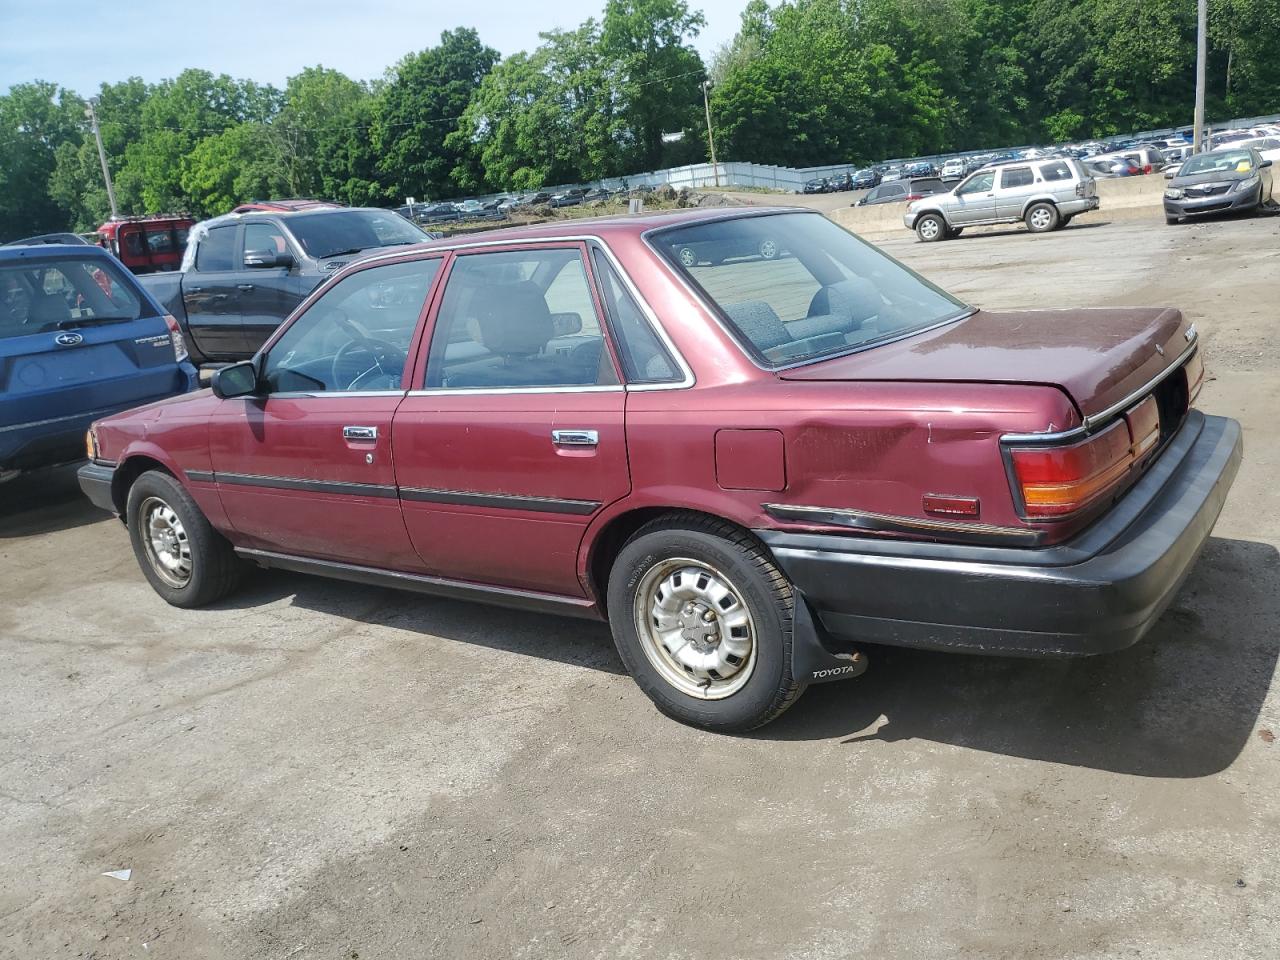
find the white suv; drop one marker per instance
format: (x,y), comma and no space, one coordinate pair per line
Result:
(1044,194)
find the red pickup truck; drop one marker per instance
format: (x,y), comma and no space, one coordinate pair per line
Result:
(750,441)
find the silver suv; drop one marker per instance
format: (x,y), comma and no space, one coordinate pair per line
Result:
(1044,194)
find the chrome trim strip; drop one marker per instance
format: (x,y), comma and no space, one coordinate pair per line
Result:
(200,476)
(303,394)
(421,583)
(484,391)
(380,491)
(1097,419)
(891,523)
(503,501)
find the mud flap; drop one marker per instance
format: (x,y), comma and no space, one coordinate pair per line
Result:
(815,657)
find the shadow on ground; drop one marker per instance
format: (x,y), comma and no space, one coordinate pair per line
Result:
(45,501)
(1181,703)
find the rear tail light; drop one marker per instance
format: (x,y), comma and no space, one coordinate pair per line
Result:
(1058,481)
(175,338)
(915,196)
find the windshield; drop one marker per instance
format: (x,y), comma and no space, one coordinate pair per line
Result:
(795,287)
(38,296)
(333,232)
(1228,161)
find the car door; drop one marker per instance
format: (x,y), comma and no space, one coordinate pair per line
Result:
(513,439)
(974,199)
(1013,189)
(304,467)
(210,295)
(268,289)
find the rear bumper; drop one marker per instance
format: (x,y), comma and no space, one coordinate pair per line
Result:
(1099,592)
(95,482)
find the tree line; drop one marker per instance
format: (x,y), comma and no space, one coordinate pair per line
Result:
(803,82)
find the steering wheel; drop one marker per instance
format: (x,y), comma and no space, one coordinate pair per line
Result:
(388,359)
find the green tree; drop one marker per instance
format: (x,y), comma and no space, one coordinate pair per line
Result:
(35,120)
(426,95)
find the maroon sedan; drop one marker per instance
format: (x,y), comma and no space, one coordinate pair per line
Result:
(749,441)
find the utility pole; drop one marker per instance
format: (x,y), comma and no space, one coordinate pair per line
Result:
(1202,50)
(711,140)
(102,156)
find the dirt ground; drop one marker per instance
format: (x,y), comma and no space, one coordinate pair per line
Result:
(316,769)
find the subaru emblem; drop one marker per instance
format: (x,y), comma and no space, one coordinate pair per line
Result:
(68,339)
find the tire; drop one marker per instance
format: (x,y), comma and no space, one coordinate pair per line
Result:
(954,232)
(687,256)
(768,249)
(1064,221)
(1041,217)
(200,566)
(931,228)
(705,569)
(1172,221)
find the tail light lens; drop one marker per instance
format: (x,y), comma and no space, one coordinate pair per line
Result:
(175,338)
(1195,377)
(1058,481)
(915,196)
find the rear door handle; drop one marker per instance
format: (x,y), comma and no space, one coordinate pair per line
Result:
(575,438)
(359,433)
(244,286)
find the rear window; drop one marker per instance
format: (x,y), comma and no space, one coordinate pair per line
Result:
(1058,170)
(335,232)
(795,287)
(36,297)
(1016,177)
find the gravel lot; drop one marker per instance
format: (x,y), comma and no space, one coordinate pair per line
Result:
(316,769)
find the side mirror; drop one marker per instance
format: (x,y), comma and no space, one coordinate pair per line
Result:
(237,380)
(261,259)
(566,324)
(1265,163)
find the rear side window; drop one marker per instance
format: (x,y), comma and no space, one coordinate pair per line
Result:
(519,319)
(217,250)
(1058,170)
(1016,177)
(38,297)
(644,358)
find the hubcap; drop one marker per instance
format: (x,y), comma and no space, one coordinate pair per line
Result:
(695,628)
(929,228)
(1040,219)
(167,546)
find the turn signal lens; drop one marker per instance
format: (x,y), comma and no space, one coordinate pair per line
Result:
(175,338)
(1195,376)
(91,443)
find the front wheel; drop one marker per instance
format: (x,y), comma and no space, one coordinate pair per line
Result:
(1042,217)
(931,228)
(703,622)
(186,561)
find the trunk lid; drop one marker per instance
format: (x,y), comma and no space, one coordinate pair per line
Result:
(1098,357)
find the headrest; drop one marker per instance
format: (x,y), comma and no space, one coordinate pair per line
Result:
(512,319)
(758,321)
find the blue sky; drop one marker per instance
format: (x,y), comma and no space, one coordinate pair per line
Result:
(79,44)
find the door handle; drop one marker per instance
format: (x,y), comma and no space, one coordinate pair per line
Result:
(575,438)
(359,433)
(244,286)
(195,289)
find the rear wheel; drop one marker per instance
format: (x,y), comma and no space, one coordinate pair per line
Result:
(931,227)
(186,561)
(703,622)
(1041,217)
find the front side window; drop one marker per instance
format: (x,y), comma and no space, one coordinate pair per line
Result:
(1016,177)
(356,336)
(795,287)
(264,238)
(518,319)
(978,183)
(216,251)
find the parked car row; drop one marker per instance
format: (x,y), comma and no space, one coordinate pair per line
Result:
(577,419)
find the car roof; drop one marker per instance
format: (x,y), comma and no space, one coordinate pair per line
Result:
(53,251)
(624,225)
